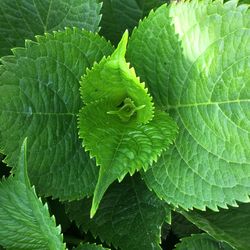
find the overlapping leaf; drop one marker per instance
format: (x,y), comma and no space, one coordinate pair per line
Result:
(119,15)
(117,124)
(194,56)
(25,222)
(201,241)
(22,19)
(231,225)
(40,99)
(129,216)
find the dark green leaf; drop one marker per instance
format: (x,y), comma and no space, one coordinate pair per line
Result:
(129,216)
(201,242)
(23,19)
(231,225)
(119,15)
(88,246)
(183,227)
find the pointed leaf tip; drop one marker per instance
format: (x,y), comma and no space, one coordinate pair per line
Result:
(35,224)
(121,47)
(93,211)
(102,185)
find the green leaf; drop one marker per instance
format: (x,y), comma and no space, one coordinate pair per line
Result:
(201,242)
(241,1)
(119,15)
(22,19)
(120,148)
(112,79)
(116,124)
(129,217)
(25,222)
(244,1)
(194,56)
(88,246)
(231,225)
(40,99)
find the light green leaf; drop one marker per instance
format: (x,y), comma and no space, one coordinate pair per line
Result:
(231,225)
(194,56)
(40,99)
(201,242)
(120,148)
(119,15)
(112,79)
(25,223)
(88,246)
(22,19)
(129,217)
(116,124)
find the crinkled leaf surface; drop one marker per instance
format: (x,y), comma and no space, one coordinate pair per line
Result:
(194,56)
(119,15)
(25,223)
(40,99)
(22,19)
(231,225)
(117,124)
(201,242)
(129,217)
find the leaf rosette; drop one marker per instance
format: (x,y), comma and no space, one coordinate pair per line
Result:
(118,123)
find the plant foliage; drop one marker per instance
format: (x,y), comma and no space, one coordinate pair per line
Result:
(122,135)
(25,221)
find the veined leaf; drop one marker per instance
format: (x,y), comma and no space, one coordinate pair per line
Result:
(231,225)
(25,222)
(201,242)
(113,80)
(119,15)
(23,19)
(40,99)
(194,56)
(116,124)
(129,217)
